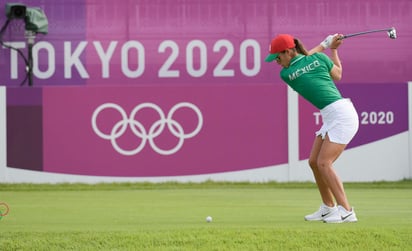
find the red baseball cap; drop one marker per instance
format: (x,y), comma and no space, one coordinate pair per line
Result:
(280,43)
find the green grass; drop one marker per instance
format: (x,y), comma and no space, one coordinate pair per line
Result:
(171,216)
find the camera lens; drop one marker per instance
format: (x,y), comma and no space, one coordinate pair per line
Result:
(18,12)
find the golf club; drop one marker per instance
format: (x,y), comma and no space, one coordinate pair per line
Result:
(391,33)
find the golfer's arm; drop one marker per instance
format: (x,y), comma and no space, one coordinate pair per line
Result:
(336,72)
(318,48)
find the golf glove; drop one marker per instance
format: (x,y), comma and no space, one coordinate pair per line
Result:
(328,41)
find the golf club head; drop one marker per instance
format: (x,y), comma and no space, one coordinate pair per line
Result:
(392,33)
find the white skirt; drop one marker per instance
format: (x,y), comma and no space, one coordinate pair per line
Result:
(340,122)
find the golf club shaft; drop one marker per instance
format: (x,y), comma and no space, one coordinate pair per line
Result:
(365,32)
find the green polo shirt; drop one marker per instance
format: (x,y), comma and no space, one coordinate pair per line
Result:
(310,77)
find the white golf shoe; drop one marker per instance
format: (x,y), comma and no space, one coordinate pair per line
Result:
(341,215)
(323,213)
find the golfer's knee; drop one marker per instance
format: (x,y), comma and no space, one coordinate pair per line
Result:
(323,164)
(313,163)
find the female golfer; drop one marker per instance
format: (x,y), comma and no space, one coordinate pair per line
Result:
(312,75)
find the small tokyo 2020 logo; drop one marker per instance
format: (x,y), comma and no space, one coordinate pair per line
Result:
(139,130)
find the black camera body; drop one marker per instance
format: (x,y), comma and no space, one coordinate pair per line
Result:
(16,11)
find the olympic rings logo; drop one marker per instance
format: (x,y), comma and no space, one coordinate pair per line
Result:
(140,131)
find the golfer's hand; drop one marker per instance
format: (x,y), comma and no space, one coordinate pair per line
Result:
(336,41)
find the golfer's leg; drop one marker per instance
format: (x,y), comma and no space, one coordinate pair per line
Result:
(328,153)
(324,190)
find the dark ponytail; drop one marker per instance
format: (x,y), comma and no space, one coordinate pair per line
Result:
(300,48)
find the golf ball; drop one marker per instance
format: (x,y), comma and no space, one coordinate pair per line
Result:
(209,219)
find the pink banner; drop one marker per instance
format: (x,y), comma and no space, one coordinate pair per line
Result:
(147,41)
(163,131)
(382,110)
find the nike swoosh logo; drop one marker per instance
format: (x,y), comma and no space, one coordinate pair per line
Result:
(345,217)
(323,215)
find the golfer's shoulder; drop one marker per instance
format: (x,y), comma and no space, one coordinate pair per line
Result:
(320,56)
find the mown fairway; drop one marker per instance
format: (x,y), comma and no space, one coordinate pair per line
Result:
(172,217)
